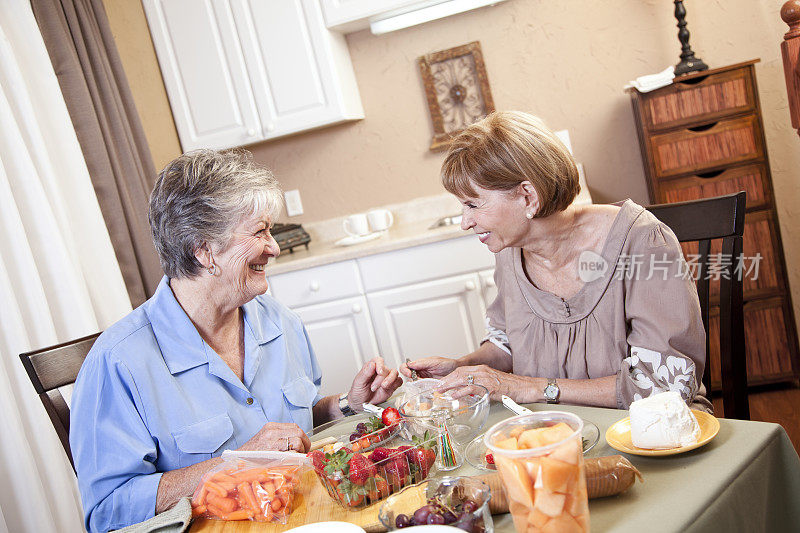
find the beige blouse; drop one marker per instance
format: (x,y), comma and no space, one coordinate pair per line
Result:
(638,319)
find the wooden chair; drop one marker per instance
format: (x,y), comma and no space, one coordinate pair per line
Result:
(54,367)
(702,221)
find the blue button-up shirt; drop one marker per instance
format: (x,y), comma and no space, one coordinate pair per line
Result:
(152,396)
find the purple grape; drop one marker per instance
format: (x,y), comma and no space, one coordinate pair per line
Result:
(449,517)
(421,514)
(402,521)
(469,506)
(465,522)
(435,519)
(354,437)
(361,428)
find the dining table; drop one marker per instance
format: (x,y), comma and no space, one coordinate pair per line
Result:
(747,478)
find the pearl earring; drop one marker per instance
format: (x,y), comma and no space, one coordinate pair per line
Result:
(529,215)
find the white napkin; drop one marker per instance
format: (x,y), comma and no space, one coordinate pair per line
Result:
(651,82)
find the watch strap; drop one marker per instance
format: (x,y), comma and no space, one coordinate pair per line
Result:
(551,384)
(344,405)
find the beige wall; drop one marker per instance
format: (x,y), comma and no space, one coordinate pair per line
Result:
(564,60)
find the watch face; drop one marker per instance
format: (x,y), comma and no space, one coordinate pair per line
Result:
(550,392)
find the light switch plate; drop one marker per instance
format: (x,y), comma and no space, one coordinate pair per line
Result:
(294,206)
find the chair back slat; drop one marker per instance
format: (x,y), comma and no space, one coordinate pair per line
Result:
(703,221)
(54,367)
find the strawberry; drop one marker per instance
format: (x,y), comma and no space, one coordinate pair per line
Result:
(489,458)
(390,416)
(420,461)
(380,454)
(318,460)
(378,488)
(361,469)
(396,470)
(407,450)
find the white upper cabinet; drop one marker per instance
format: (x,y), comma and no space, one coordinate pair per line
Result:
(242,71)
(351,15)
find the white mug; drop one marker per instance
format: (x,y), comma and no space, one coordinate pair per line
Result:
(356,225)
(380,219)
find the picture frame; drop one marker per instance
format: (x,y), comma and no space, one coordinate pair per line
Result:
(456,89)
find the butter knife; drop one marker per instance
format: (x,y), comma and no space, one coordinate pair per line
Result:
(515,407)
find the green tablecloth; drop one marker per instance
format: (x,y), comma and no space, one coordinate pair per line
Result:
(746,479)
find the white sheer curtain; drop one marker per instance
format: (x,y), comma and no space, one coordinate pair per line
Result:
(59,279)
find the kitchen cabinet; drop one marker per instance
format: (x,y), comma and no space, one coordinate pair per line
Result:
(442,317)
(352,15)
(343,340)
(423,300)
(243,71)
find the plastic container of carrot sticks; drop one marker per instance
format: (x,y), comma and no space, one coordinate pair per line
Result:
(257,486)
(454,421)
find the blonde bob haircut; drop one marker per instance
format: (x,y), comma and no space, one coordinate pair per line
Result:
(506,148)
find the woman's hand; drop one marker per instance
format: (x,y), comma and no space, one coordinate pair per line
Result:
(374,383)
(278,436)
(498,383)
(429,367)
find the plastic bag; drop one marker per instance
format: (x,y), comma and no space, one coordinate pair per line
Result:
(259,486)
(410,389)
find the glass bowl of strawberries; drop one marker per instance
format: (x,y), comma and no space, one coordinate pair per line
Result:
(460,502)
(356,479)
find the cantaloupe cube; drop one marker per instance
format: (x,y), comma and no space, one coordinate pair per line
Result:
(556,433)
(507,444)
(531,438)
(562,524)
(558,476)
(537,518)
(519,513)
(577,504)
(569,452)
(550,503)
(516,431)
(532,467)
(518,484)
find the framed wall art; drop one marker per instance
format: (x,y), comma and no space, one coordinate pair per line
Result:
(457,90)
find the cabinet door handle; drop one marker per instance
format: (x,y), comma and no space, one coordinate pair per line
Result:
(314,286)
(356,308)
(470,285)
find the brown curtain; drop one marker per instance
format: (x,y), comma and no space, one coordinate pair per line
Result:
(79,41)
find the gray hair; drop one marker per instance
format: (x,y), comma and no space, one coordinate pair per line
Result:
(199,198)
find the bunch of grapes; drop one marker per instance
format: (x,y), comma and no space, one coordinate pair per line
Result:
(461,515)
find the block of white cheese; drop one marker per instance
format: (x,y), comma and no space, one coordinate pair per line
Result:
(663,421)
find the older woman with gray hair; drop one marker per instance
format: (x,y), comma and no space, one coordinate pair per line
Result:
(209,362)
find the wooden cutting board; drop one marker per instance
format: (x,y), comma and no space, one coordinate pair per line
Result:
(317,506)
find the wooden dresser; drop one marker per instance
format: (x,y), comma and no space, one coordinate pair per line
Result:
(702,136)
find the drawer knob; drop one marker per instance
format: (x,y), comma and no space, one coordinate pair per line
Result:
(490,282)
(314,286)
(251,133)
(356,308)
(470,285)
(270,127)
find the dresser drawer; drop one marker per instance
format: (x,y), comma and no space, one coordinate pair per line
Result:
(760,277)
(750,178)
(699,100)
(696,150)
(766,341)
(316,285)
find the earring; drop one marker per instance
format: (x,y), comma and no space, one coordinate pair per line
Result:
(529,215)
(212,269)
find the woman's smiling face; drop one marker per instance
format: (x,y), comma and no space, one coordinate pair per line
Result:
(498,217)
(242,263)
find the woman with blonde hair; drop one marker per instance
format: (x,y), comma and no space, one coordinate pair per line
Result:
(594,306)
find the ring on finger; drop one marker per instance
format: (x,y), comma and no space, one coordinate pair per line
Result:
(470,379)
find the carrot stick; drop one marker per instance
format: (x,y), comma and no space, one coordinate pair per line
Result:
(246,491)
(200,499)
(214,511)
(198,510)
(216,489)
(228,505)
(241,514)
(222,476)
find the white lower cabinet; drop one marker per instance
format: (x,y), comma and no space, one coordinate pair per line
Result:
(442,317)
(343,340)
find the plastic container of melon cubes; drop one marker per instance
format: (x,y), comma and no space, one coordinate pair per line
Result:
(540,461)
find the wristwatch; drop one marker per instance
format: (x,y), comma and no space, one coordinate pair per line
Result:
(551,391)
(344,405)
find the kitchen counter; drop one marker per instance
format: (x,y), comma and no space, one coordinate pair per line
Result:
(411,228)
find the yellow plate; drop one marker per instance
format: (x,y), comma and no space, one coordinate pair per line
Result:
(618,436)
